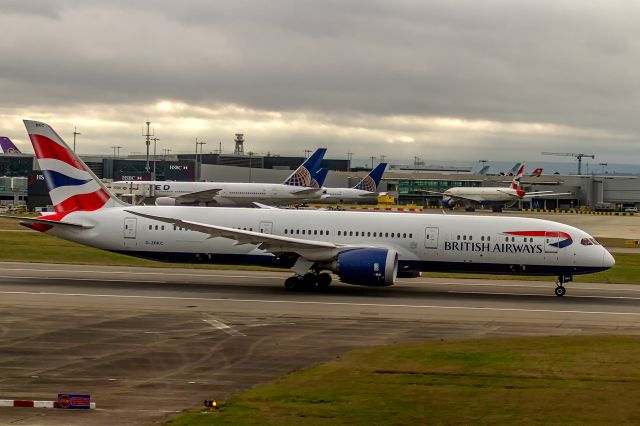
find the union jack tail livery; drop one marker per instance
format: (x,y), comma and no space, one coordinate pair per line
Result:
(370,182)
(515,183)
(72,185)
(303,175)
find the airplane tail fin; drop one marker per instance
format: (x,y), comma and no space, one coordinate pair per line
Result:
(483,171)
(515,183)
(319,178)
(72,185)
(8,147)
(537,172)
(302,175)
(370,182)
(514,169)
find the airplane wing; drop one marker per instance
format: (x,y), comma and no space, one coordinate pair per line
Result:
(307,191)
(458,197)
(508,193)
(309,249)
(206,195)
(545,194)
(28,221)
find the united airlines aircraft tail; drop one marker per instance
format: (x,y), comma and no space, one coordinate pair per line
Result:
(303,175)
(515,183)
(72,185)
(8,147)
(370,182)
(319,178)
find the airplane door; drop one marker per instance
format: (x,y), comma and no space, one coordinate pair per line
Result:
(266,227)
(431,238)
(130,224)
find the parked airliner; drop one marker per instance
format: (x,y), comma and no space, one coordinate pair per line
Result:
(496,197)
(297,188)
(365,191)
(362,248)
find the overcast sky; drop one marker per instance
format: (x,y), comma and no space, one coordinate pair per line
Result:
(440,80)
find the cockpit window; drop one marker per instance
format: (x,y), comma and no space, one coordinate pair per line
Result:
(589,242)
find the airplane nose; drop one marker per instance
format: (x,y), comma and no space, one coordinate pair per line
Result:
(607,260)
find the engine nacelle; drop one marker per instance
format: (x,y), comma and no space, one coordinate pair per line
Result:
(367,266)
(449,202)
(165,201)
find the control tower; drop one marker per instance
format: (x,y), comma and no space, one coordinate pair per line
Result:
(239,140)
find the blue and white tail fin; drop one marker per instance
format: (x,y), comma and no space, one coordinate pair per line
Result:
(318,179)
(371,181)
(515,183)
(72,185)
(303,175)
(8,147)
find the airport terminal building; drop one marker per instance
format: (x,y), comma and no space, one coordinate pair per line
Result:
(21,181)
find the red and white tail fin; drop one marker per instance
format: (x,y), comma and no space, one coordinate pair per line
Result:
(515,183)
(72,185)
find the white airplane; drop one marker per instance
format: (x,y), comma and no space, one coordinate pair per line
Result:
(362,248)
(496,197)
(297,188)
(364,191)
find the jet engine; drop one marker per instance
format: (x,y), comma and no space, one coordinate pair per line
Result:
(367,266)
(165,201)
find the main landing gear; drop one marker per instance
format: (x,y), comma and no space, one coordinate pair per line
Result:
(308,282)
(562,280)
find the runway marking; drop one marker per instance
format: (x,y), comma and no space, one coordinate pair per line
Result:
(543,295)
(301,302)
(142,273)
(219,325)
(85,279)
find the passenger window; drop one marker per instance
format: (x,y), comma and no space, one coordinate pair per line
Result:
(339,233)
(150,227)
(156,227)
(285,232)
(386,235)
(482,238)
(374,234)
(464,237)
(404,235)
(392,235)
(303,232)
(162,227)
(297,232)
(315,232)
(368,234)
(410,235)
(458,238)
(357,233)
(351,233)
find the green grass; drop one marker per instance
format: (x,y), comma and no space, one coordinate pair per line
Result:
(542,380)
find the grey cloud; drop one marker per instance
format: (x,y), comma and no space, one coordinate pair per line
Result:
(565,62)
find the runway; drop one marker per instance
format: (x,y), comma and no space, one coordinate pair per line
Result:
(148,342)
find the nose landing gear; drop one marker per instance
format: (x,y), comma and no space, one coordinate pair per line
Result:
(562,280)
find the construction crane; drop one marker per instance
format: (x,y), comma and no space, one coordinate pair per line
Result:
(571,154)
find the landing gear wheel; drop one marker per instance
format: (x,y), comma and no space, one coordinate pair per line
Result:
(292,284)
(324,280)
(309,281)
(560,290)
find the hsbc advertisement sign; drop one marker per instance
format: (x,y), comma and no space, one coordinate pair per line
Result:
(179,171)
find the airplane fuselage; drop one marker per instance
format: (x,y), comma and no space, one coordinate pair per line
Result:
(233,193)
(423,242)
(347,195)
